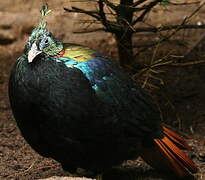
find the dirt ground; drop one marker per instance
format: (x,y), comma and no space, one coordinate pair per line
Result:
(181,98)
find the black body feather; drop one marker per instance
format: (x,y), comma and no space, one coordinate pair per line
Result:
(61,117)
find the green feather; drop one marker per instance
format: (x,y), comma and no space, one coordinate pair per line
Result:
(44,12)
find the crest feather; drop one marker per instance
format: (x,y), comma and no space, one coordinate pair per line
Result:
(44,12)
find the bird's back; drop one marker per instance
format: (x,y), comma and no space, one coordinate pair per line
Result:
(114,87)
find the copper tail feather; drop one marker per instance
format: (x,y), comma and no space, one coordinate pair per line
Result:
(167,155)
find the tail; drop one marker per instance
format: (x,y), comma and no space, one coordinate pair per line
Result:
(167,155)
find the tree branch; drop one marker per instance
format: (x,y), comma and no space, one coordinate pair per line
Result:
(111,5)
(109,25)
(166,28)
(93,14)
(186,3)
(147,10)
(102,13)
(90,30)
(138,3)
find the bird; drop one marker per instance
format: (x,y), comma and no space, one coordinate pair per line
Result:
(75,105)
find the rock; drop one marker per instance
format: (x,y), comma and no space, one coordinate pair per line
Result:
(6,37)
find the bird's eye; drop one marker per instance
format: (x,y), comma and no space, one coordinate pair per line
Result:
(46,41)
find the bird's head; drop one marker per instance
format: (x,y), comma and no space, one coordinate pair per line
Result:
(41,40)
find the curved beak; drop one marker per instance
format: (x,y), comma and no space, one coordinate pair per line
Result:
(33,52)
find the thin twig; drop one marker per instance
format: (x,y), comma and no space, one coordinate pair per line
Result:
(78,10)
(111,5)
(102,13)
(148,9)
(167,28)
(187,63)
(185,3)
(138,3)
(90,30)
(29,170)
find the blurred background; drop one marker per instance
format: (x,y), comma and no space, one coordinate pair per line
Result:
(172,71)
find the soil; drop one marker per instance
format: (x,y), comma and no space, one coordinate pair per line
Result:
(181,97)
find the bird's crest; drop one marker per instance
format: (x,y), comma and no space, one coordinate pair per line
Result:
(44,12)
